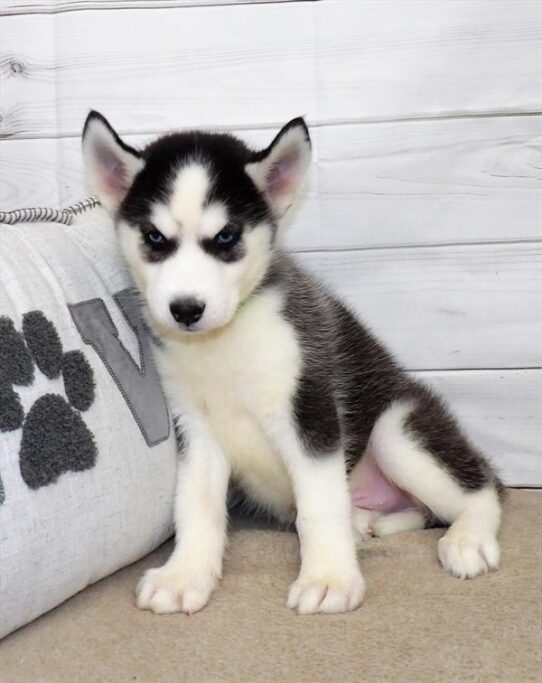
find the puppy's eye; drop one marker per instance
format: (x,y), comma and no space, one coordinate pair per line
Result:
(155,239)
(227,237)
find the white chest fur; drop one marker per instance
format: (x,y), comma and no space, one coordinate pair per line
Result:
(238,380)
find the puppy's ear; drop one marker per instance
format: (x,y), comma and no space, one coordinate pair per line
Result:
(279,170)
(110,165)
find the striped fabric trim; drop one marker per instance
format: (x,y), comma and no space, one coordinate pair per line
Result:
(45,215)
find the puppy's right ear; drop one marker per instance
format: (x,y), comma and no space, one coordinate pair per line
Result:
(110,165)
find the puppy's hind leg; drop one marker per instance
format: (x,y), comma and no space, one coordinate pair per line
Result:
(363,522)
(419,447)
(396,522)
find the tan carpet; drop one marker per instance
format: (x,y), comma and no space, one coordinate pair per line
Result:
(417,624)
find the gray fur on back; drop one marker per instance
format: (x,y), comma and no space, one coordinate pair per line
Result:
(348,379)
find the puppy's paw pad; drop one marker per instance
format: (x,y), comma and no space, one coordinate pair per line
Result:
(466,555)
(326,595)
(164,591)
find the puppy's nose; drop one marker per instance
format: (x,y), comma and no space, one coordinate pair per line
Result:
(187,311)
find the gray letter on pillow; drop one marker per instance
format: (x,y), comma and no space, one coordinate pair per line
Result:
(140,386)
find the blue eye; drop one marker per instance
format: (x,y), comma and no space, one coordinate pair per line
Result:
(227,237)
(154,238)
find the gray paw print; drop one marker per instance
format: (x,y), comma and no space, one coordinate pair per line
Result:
(55,439)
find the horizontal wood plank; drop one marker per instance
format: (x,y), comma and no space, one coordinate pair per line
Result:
(157,69)
(9,7)
(31,174)
(259,65)
(462,180)
(383,59)
(445,307)
(501,411)
(389,184)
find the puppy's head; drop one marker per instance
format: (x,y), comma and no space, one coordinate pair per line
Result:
(197,214)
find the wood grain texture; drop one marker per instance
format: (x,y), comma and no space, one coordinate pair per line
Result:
(389,184)
(382,59)
(157,69)
(259,65)
(445,307)
(31,174)
(462,180)
(10,7)
(501,411)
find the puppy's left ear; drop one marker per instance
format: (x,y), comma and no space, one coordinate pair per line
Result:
(110,164)
(279,170)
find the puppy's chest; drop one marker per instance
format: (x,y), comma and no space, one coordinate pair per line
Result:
(237,381)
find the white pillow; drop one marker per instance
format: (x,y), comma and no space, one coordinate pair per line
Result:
(87,449)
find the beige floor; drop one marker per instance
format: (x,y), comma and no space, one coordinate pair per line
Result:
(417,624)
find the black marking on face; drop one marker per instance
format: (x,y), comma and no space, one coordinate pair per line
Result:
(225,158)
(227,245)
(156,246)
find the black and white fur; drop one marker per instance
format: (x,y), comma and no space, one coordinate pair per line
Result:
(272,380)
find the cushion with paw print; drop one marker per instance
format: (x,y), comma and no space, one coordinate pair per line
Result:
(87,449)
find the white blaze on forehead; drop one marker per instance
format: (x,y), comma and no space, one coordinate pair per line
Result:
(163,221)
(190,190)
(214,218)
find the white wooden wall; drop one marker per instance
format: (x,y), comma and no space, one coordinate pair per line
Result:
(425,205)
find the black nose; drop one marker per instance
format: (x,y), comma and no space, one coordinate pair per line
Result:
(187,311)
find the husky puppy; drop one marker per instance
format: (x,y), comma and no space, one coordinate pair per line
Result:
(272,381)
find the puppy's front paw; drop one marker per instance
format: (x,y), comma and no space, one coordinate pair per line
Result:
(166,590)
(328,593)
(467,555)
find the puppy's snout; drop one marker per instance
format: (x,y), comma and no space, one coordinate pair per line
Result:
(187,311)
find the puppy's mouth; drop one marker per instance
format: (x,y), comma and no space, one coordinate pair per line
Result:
(207,325)
(192,330)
